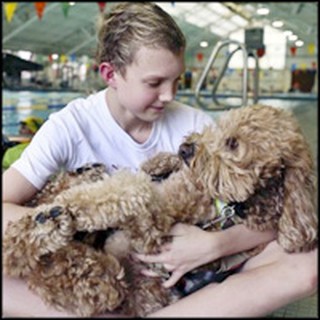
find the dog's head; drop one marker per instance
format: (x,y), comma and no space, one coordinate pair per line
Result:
(251,151)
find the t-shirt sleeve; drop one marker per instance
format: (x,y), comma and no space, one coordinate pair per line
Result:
(46,153)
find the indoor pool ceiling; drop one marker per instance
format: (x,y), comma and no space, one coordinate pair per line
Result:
(201,21)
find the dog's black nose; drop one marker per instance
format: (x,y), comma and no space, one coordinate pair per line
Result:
(186,151)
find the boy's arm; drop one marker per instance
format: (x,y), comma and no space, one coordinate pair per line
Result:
(16,190)
(269,281)
(192,247)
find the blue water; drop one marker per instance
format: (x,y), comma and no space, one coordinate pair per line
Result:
(16,105)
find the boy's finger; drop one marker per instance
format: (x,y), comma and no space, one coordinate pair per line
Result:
(175,276)
(149,273)
(149,257)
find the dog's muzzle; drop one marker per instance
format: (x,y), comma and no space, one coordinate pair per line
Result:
(186,152)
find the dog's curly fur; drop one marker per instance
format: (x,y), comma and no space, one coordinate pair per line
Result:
(256,157)
(43,246)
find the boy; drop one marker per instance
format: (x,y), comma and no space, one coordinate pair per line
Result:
(141,57)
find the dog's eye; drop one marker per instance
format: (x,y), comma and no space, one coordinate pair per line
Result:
(232,143)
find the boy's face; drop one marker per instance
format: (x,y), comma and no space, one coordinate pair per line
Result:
(149,83)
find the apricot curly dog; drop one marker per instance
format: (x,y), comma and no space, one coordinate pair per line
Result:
(255,160)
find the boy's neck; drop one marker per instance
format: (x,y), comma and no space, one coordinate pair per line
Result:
(137,129)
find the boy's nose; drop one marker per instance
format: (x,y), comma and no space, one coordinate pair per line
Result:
(167,95)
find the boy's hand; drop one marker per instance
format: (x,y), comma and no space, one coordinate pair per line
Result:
(191,247)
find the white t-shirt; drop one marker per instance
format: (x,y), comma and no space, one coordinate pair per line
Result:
(84,132)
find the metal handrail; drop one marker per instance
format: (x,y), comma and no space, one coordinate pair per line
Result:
(256,77)
(219,78)
(206,70)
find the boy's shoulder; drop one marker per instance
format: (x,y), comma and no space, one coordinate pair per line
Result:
(92,99)
(81,110)
(82,103)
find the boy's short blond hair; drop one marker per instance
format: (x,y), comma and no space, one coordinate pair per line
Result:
(129,26)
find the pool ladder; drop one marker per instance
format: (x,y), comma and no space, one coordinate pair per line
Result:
(214,54)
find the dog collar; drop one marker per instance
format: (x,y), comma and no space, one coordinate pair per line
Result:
(225,212)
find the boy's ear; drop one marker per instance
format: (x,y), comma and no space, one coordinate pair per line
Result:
(107,73)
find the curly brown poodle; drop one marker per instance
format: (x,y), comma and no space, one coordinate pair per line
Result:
(256,160)
(126,208)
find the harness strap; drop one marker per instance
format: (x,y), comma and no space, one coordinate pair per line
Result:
(226,215)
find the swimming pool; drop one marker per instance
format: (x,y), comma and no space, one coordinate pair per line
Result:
(17,105)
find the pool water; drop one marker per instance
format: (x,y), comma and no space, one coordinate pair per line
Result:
(16,105)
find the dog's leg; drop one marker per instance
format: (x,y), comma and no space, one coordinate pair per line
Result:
(112,203)
(124,201)
(34,235)
(147,294)
(81,280)
(65,180)
(106,204)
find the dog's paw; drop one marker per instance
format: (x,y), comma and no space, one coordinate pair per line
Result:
(54,228)
(53,213)
(161,166)
(91,172)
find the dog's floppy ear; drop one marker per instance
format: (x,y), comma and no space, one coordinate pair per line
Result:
(298,222)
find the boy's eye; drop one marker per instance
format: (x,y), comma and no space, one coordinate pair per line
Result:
(154,84)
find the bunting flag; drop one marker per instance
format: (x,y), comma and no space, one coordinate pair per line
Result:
(261,52)
(65,8)
(72,57)
(63,58)
(10,8)
(293,50)
(101,6)
(40,8)
(199,56)
(294,67)
(311,48)
(303,66)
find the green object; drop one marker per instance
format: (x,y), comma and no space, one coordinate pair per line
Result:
(32,123)
(13,154)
